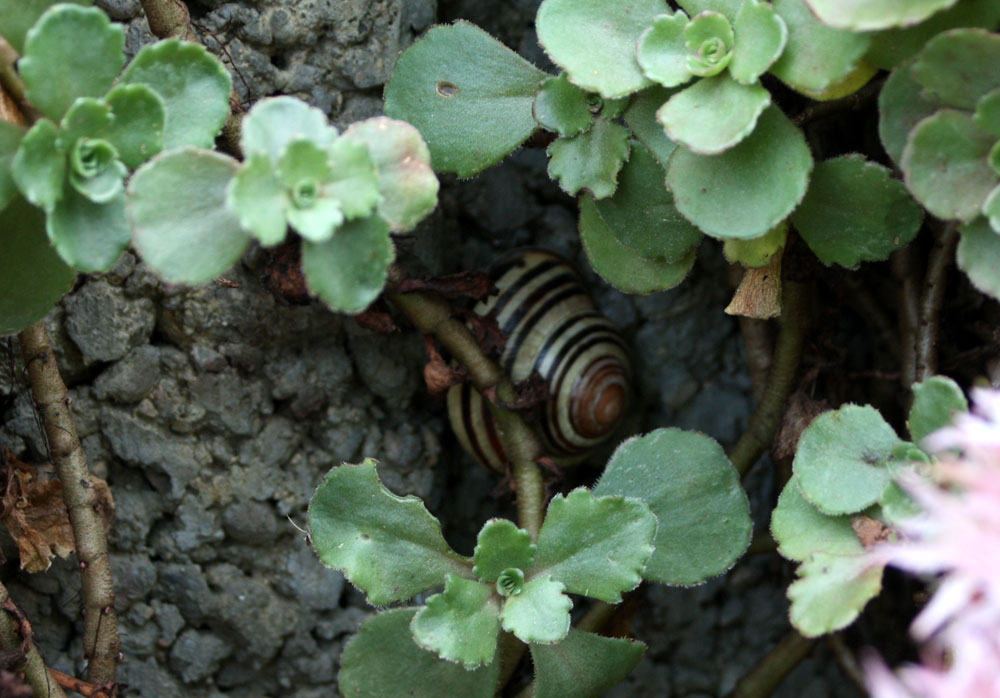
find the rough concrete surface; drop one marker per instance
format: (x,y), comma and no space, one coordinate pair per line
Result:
(214,412)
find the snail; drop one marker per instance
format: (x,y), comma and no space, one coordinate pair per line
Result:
(553,327)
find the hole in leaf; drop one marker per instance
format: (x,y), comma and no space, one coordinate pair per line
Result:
(447,89)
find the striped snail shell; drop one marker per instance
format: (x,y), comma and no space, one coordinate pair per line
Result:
(552,327)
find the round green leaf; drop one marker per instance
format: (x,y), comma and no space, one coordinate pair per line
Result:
(406,183)
(761,36)
(977,51)
(468,95)
(865,15)
(273,123)
(703,513)
(539,614)
(977,255)
(749,189)
(318,222)
(460,624)
(709,40)
(88,235)
(562,107)
(714,114)
(831,592)
(641,118)
(194,87)
(258,200)
(935,402)
(621,265)
(413,671)
(590,160)
(606,65)
(583,665)
(71,52)
(641,213)
(854,211)
(662,51)
(801,529)
(19,15)
(945,165)
(902,104)
(32,276)
(816,56)
(39,166)
(355,181)
(843,457)
(136,130)
(180,222)
(349,270)
(10,140)
(500,545)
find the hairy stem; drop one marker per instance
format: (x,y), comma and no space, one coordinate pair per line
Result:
(35,673)
(761,681)
(100,640)
(929,312)
(780,379)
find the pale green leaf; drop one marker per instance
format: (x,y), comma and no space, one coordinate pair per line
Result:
(105,179)
(563,107)
(801,529)
(318,222)
(88,235)
(756,252)
(354,182)
(662,51)
(39,167)
(761,35)
(460,624)
(935,403)
(977,51)
(539,614)
(500,545)
(304,160)
(590,160)
(977,255)
(258,200)
(136,130)
(831,591)
(727,7)
(583,665)
(273,123)
(866,15)
(709,40)
(714,114)
(19,15)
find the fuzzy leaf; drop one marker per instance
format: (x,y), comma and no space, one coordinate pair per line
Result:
(641,213)
(318,222)
(854,211)
(596,546)
(87,118)
(460,624)
(108,179)
(32,276)
(406,183)
(607,66)
(10,141)
(977,255)
(539,614)
(500,545)
(468,95)
(413,671)
(275,122)
(727,7)
(258,200)
(816,56)
(662,51)
(749,189)
(621,265)
(39,167)
(562,107)
(866,15)
(136,130)
(304,160)
(977,51)
(181,225)
(88,235)
(756,252)
(801,529)
(641,118)
(590,160)
(19,15)
(761,36)
(714,114)
(355,181)
(843,458)
(687,481)
(390,547)
(583,665)
(945,165)
(709,40)
(935,402)
(194,87)
(348,271)
(71,52)
(831,591)
(902,104)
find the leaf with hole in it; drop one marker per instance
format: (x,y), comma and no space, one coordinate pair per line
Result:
(749,189)
(32,276)
(180,223)
(866,15)
(843,457)
(714,114)
(583,665)
(590,160)
(756,252)
(831,591)
(622,266)
(406,183)
(468,95)
(70,52)
(608,64)
(855,211)
(539,613)
(413,671)
(816,56)
(688,482)
(461,623)
(88,235)
(977,51)
(389,546)
(761,36)
(662,52)
(136,129)
(20,15)
(563,107)
(641,118)
(605,562)
(801,529)
(902,104)
(39,166)
(641,213)
(194,87)
(946,167)
(977,255)
(501,545)
(349,270)
(935,402)
(10,141)
(273,123)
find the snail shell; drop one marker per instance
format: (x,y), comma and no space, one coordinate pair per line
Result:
(552,327)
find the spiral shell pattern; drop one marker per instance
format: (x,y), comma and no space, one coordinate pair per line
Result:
(552,327)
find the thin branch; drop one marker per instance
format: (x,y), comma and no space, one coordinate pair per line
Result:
(847,661)
(42,683)
(929,312)
(100,640)
(761,681)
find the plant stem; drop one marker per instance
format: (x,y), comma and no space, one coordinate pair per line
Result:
(168,19)
(13,86)
(929,312)
(847,661)
(100,640)
(780,379)
(33,666)
(761,681)
(432,315)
